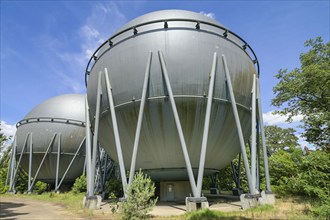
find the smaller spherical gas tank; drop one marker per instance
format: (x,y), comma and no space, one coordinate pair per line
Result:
(56,124)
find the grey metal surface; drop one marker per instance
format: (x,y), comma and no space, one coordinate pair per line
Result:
(188,52)
(64,115)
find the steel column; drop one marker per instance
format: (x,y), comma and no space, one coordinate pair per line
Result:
(178,126)
(30,162)
(253,131)
(258,156)
(19,162)
(71,162)
(238,125)
(88,156)
(264,148)
(12,161)
(42,162)
(96,130)
(140,118)
(58,160)
(116,132)
(206,126)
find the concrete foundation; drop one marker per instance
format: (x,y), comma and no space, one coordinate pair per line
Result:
(92,202)
(267,198)
(192,203)
(250,201)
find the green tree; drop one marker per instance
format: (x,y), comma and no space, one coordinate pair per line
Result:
(280,139)
(306,91)
(4,161)
(139,201)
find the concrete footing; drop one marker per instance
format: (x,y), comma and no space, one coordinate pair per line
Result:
(192,203)
(92,202)
(250,201)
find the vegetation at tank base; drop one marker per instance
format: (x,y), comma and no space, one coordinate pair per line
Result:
(80,185)
(290,208)
(139,201)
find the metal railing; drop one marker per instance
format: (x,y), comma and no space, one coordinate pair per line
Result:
(49,119)
(134,30)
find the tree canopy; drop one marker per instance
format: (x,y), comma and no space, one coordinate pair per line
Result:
(280,139)
(306,91)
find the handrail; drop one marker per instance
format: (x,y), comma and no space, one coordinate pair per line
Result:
(166,26)
(49,119)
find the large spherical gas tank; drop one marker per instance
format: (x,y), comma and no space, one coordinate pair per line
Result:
(188,42)
(57,120)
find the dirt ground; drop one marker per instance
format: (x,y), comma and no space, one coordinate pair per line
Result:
(24,208)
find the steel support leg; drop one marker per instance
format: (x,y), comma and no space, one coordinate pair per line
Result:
(140,118)
(178,126)
(253,138)
(96,130)
(71,162)
(58,161)
(206,126)
(238,125)
(264,148)
(41,163)
(19,162)
(88,157)
(116,132)
(258,156)
(30,162)
(12,162)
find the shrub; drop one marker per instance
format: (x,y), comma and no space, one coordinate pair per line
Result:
(40,187)
(115,186)
(139,200)
(80,185)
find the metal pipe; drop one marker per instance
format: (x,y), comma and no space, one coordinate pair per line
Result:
(105,167)
(30,162)
(88,156)
(70,164)
(58,160)
(19,162)
(238,125)
(96,130)
(258,155)
(264,148)
(12,161)
(178,126)
(253,138)
(116,132)
(140,118)
(41,163)
(206,126)
(239,170)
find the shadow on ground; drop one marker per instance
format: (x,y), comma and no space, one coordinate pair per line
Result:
(7,212)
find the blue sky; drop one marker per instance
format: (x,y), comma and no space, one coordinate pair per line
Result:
(45,45)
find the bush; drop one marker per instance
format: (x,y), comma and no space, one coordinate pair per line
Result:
(139,200)
(115,186)
(293,173)
(80,185)
(40,187)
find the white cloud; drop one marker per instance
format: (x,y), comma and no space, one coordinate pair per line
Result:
(8,129)
(69,64)
(270,118)
(210,14)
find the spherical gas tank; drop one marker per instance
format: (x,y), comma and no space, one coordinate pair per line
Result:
(188,42)
(57,123)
